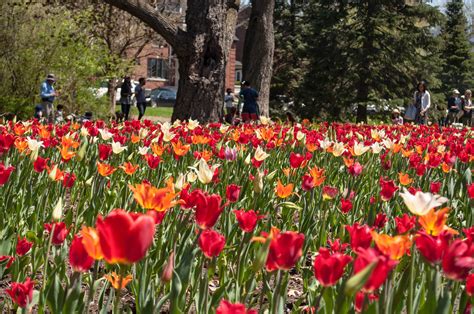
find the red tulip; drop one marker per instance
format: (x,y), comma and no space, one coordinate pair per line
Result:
(435,187)
(232,193)
(469,232)
(329,192)
(153,161)
(119,230)
(211,243)
(307,183)
(328,269)
(156,215)
(60,232)
(336,246)
(285,250)
(405,223)
(458,260)
(346,205)
(9,259)
(40,164)
(296,160)
(383,267)
(355,169)
(470,191)
(104,151)
(470,285)
(380,220)
(208,210)
(69,179)
(225,307)
(360,236)
(23,246)
(247,219)
(388,189)
(5,173)
(78,258)
(432,248)
(21,293)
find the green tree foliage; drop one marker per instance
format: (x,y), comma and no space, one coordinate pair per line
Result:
(41,40)
(458,66)
(363,51)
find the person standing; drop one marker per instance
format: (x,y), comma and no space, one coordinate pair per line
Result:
(140,97)
(422,103)
(250,110)
(229,101)
(467,108)
(47,97)
(126,97)
(454,107)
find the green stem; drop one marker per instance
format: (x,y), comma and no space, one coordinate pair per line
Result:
(410,305)
(45,275)
(90,295)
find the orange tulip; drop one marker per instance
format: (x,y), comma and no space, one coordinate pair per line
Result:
(134,138)
(404,179)
(43,132)
(284,191)
(348,161)
(180,149)
(55,173)
(117,281)
(311,147)
(150,197)
(286,171)
(394,247)
(21,144)
(67,141)
(434,222)
(66,154)
(158,150)
(407,153)
(90,240)
(200,139)
(129,168)
(446,168)
(105,169)
(267,134)
(318,176)
(19,129)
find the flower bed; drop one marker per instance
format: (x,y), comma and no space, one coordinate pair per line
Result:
(189,218)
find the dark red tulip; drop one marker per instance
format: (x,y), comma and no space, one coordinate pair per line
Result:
(432,248)
(307,183)
(470,285)
(346,205)
(247,219)
(360,236)
(156,215)
(69,179)
(40,164)
(336,246)
(296,160)
(208,210)
(232,193)
(60,232)
(383,267)
(458,260)
(23,246)
(387,189)
(329,268)
(435,187)
(5,173)
(104,151)
(405,223)
(78,258)
(9,260)
(285,250)
(380,221)
(21,293)
(153,161)
(469,232)
(211,243)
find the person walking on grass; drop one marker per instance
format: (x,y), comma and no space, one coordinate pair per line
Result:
(467,107)
(250,110)
(48,95)
(126,97)
(140,97)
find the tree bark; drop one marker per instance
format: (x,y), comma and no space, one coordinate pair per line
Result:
(257,61)
(202,50)
(112,88)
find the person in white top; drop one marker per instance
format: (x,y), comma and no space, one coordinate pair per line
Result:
(422,103)
(467,107)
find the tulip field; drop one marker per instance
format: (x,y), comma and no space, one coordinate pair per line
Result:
(142,217)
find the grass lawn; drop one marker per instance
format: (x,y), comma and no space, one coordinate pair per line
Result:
(164,112)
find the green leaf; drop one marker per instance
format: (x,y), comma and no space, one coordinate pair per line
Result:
(356,282)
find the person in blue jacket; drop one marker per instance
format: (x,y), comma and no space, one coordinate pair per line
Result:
(47,97)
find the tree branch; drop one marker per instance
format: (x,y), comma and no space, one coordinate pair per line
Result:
(150,16)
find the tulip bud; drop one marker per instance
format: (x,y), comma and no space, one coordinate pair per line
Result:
(167,273)
(52,174)
(58,210)
(247,160)
(262,254)
(258,182)
(82,150)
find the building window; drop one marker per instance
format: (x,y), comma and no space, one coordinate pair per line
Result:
(157,68)
(238,76)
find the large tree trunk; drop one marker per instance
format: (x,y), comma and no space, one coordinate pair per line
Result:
(202,49)
(202,65)
(259,46)
(112,88)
